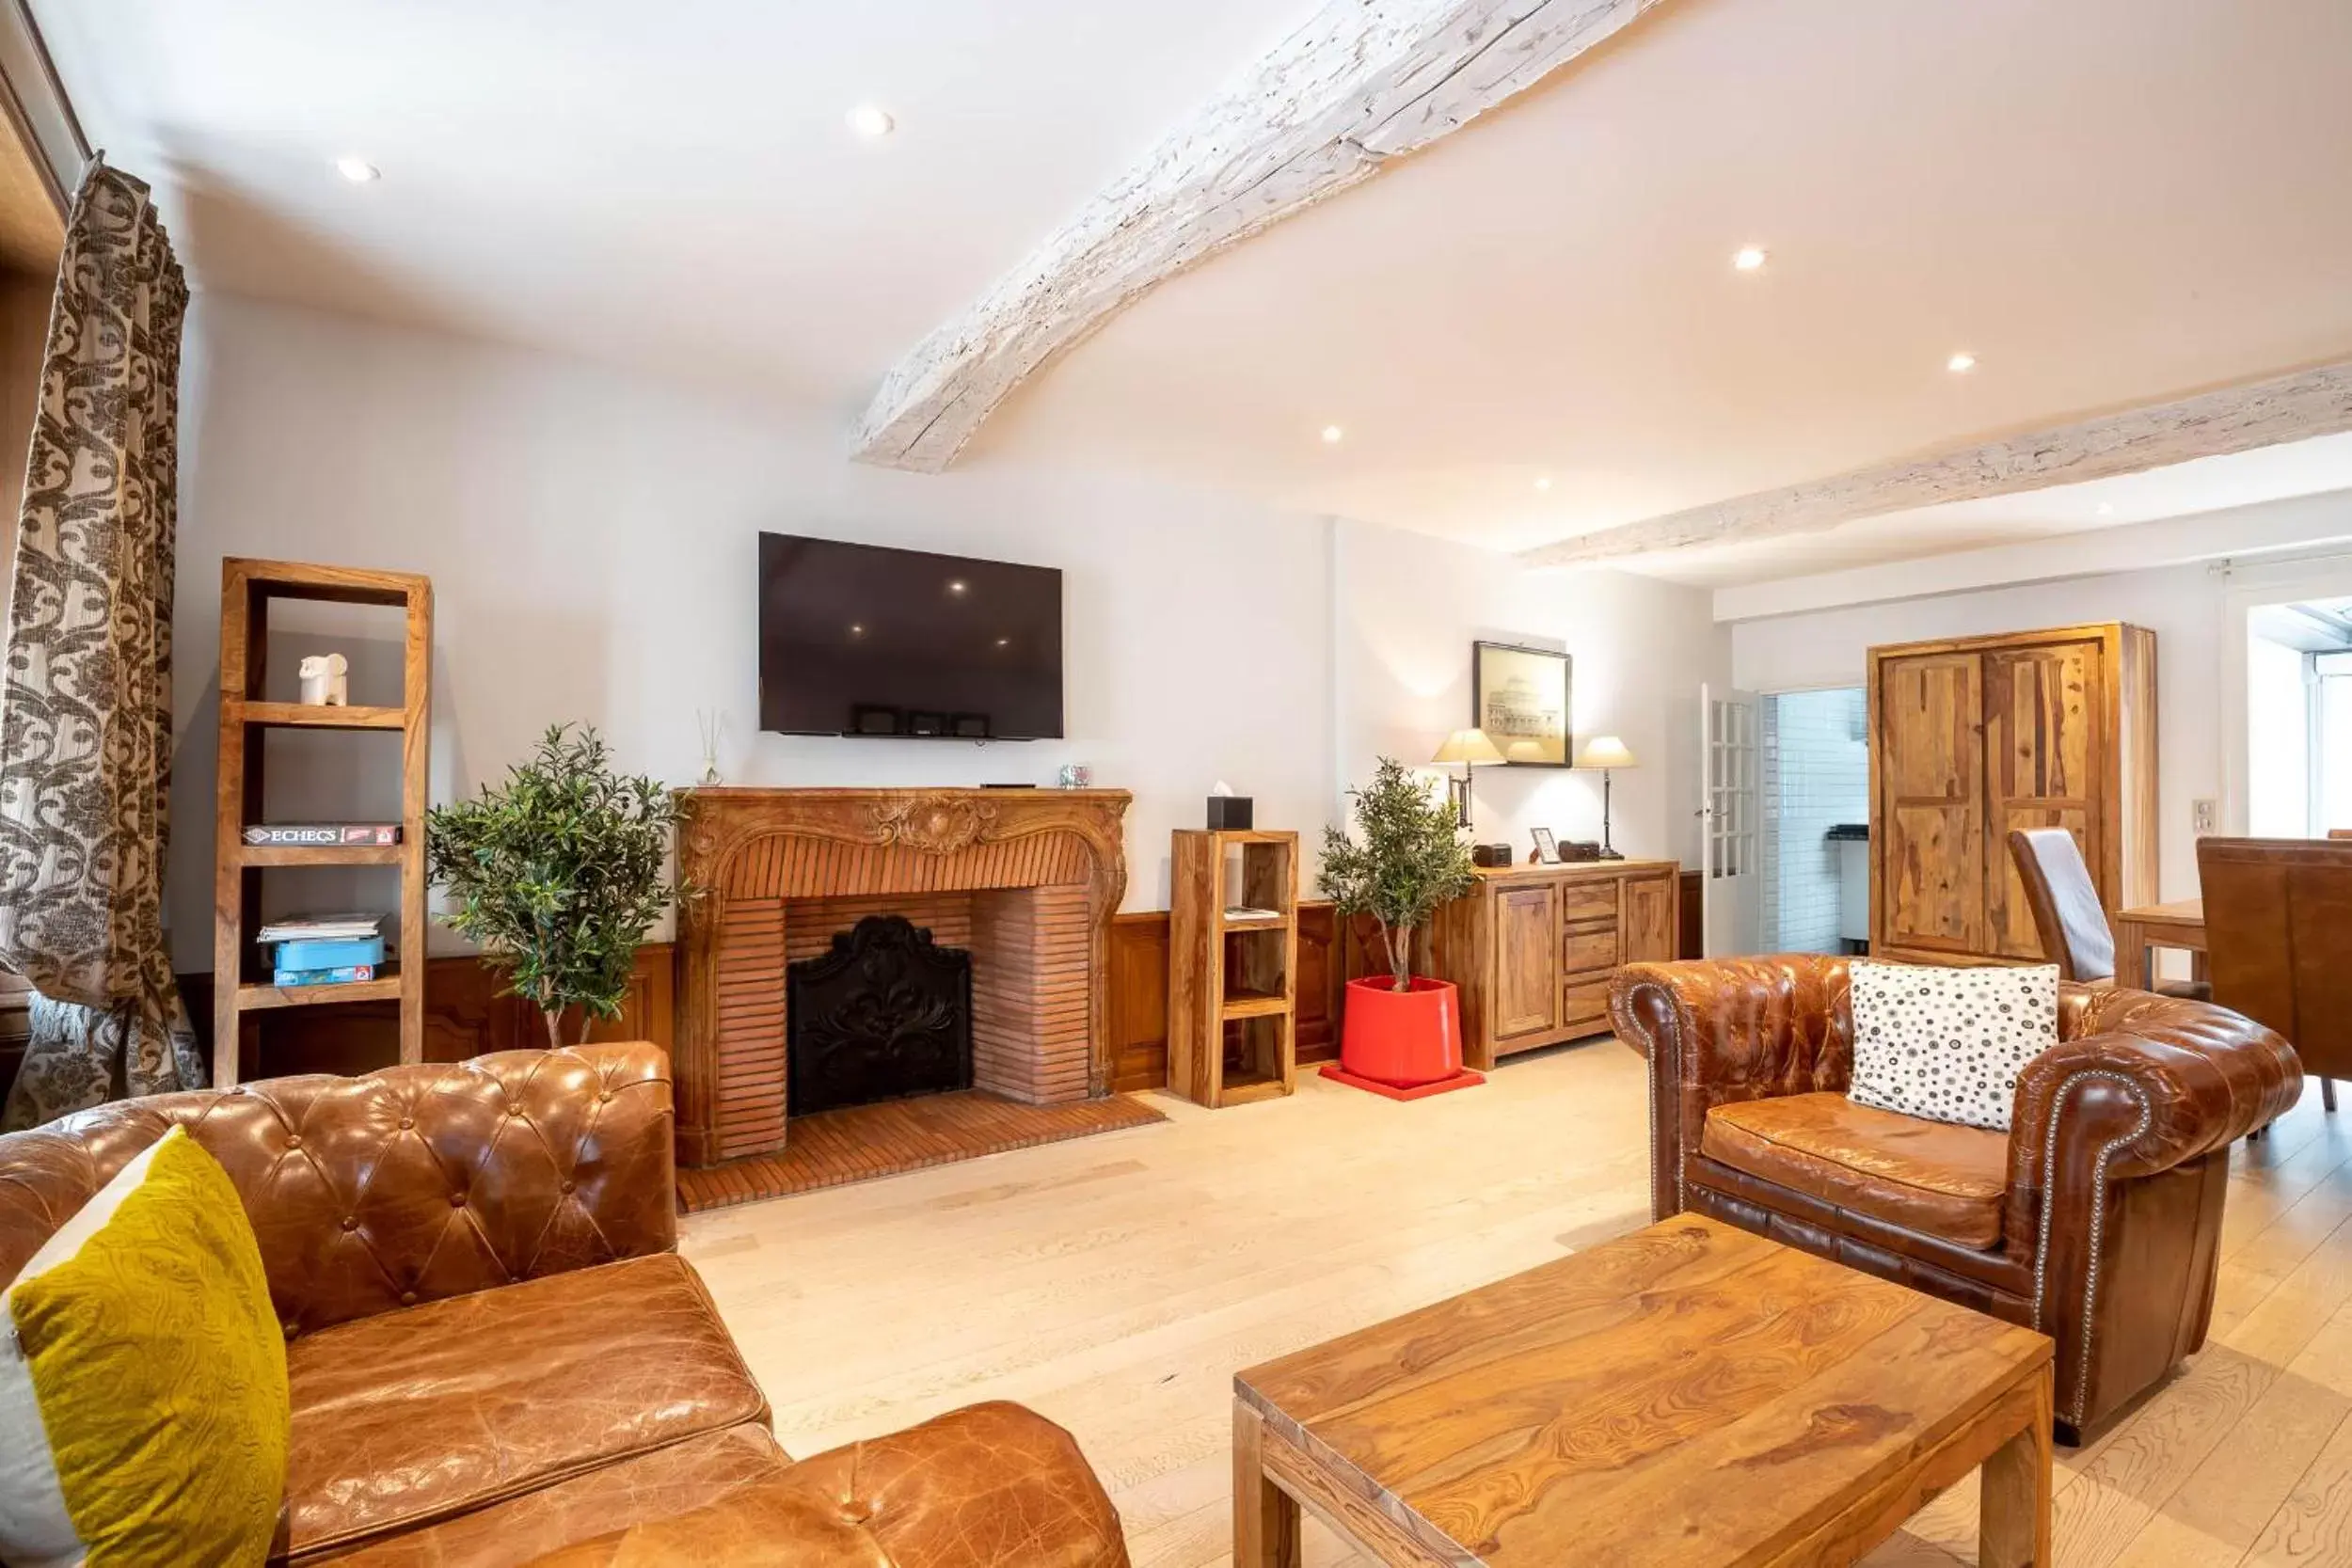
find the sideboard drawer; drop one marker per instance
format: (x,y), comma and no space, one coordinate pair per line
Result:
(1584,1005)
(1592,949)
(1588,900)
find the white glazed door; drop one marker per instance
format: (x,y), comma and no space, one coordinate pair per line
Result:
(1731,861)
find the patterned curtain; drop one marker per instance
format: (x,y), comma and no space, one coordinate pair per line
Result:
(85,688)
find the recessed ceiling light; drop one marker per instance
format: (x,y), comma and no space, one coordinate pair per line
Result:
(955,587)
(1748,258)
(871,120)
(1004,641)
(1960,363)
(1543,482)
(357,171)
(2107,509)
(1333,434)
(856,631)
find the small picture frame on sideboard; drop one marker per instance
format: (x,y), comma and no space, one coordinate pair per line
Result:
(1547,851)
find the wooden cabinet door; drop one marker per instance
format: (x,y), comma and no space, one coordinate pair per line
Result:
(2044,730)
(1527,977)
(1646,921)
(1927,766)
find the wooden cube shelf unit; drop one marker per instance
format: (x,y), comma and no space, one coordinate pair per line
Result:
(1232,983)
(242,989)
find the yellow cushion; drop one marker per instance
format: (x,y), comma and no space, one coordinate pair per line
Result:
(143,1399)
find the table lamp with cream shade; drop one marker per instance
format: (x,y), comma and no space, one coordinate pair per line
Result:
(1471,749)
(1606,751)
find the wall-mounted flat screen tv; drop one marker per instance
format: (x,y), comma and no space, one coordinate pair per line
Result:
(860,640)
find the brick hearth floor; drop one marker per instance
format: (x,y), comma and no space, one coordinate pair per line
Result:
(861,1142)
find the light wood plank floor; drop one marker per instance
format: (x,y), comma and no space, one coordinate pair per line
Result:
(1116,1283)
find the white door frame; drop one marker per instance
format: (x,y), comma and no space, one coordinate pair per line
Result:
(2247,585)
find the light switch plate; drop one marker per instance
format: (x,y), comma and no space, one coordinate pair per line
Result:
(2205,818)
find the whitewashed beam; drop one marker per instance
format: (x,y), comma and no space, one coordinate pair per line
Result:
(1364,81)
(2234,419)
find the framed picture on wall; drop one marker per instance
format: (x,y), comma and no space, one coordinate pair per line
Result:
(1519,697)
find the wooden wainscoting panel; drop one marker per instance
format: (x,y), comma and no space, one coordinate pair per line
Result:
(1137,1010)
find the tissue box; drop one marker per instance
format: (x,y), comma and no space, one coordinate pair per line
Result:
(1229,814)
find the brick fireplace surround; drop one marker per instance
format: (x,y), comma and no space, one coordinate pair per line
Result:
(1027,880)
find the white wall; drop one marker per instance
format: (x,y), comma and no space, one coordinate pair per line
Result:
(2182,605)
(1407,609)
(593,544)
(592,538)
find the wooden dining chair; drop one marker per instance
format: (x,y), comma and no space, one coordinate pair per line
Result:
(2067,913)
(2279,941)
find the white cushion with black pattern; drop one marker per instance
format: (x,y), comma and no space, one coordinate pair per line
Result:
(1948,1044)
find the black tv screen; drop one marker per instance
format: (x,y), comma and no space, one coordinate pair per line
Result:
(860,640)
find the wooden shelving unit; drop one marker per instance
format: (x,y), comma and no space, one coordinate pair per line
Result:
(1232,983)
(242,990)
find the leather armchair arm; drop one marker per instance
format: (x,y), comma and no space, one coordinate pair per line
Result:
(2148,1084)
(1725,1030)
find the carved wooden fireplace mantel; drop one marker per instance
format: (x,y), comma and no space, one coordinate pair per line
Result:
(1027,878)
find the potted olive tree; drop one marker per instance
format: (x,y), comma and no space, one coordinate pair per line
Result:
(558,875)
(1400,1029)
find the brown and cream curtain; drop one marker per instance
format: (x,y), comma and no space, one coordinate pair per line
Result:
(85,687)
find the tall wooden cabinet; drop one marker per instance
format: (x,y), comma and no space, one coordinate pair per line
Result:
(1973,737)
(1535,947)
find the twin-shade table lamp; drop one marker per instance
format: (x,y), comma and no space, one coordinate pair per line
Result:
(1472,747)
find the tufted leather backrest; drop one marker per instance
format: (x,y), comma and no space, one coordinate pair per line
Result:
(2067,913)
(406,1185)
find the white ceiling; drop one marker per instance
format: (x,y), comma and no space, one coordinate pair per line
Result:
(673,187)
(2109,201)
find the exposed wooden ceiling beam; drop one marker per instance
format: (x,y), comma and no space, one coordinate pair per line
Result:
(2234,419)
(1362,82)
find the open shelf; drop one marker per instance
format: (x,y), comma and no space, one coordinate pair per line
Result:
(1254,1003)
(309,716)
(1244,1088)
(385,986)
(260,855)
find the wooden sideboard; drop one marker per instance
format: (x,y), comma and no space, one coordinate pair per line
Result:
(1533,948)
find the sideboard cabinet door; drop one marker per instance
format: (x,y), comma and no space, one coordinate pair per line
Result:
(1646,923)
(1526,982)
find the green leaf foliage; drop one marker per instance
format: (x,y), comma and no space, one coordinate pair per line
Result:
(1412,858)
(557,874)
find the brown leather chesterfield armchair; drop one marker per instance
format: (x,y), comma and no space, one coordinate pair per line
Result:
(2096,1219)
(496,1355)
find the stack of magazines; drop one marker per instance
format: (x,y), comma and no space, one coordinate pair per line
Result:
(324,949)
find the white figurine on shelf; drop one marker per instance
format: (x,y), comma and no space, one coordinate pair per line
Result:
(325,680)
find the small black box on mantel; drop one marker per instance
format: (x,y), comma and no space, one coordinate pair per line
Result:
(1229,814)
(1490,855)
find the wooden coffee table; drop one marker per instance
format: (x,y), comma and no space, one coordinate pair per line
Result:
(1689,1395)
